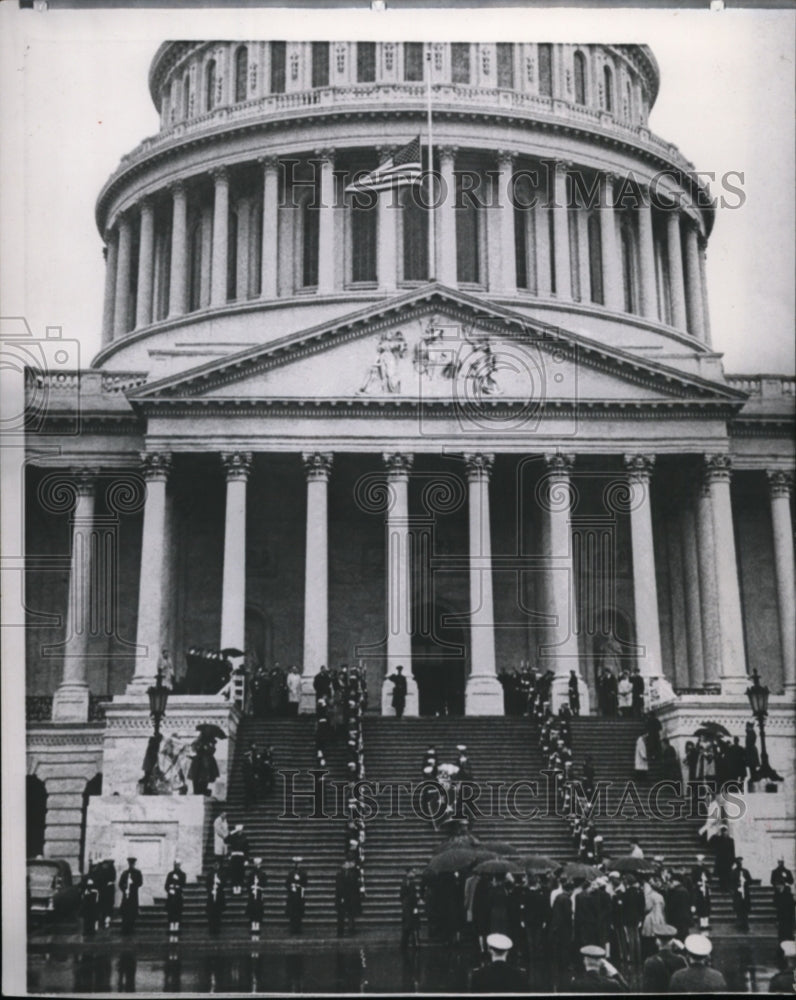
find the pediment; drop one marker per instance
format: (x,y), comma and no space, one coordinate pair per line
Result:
(436,347)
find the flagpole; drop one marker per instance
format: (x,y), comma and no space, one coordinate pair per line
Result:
(432,264)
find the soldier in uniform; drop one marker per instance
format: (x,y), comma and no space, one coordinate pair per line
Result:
(701,882)
(785,981)
(130,882)
(216,899)
(255,895)
(174,886)
(741,885)
(574,693)
(105,877)
(659,968)
(238,844)
(89,906)
(410,911)
(346,896)
(296,885)
(698,977)
(598,976)
(399,689)
(498,976)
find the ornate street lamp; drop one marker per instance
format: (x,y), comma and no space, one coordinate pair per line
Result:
(758,700)
(158,695)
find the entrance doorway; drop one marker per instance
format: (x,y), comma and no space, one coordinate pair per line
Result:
(438,661)
(35,815)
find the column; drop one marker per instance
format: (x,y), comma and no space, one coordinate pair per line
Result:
(708,597)
(178,283)
(484,693)
(508,246)
(156,467)
(613,296)
(446,218)
(146,265)
(646,257)
(399,581)
(696,323)
(693,616)
(780,484)
(675,255)
(645,591)
(270,250)
(557,497)
(243,211)
(544,279)
(326,250)
(318,468)
(218,275)
(731,637)
(111,254)
(703,245)
(561,233)
(121,309)
(70,702)
(583,255)
(387,262)
(237,465)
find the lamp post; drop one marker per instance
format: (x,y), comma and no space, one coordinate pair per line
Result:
(158,695)
(758,700)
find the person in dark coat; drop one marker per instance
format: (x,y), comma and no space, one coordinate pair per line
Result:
(410,911)
(295,886)
(346,893)
(785,910)
(781,875)
(130,882)
(238,844)
(724,853)
(215,899)
(751,754)
(173,887)
(741,886)
(322,683)
(559,936)
(671,765)
(735,761)
(574,693)
(89,906)
(586,923)
(659,968)
(678,907)
(698,977)
(399,689)
(105,878)
(203,769)
(701,892)
(638,693)
(498,976)
(633,915)
(255,895)
(785,980)
(598,975)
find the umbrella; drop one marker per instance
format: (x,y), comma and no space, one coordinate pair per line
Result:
(455,860)
(499,847)
(211,729)
(627,863)
(577,870)
(499,866)
(231,651)
(539,863)
(712,729)
(460,840)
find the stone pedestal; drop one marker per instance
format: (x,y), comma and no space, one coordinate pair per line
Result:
(764,833)
(70,703)
(155,829)
(559,693)
(483,696)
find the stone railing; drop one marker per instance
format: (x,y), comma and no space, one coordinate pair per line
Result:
(764,385)
(38,707)
(97,704)
(711,689)
(106,383)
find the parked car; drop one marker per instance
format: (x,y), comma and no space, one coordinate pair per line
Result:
(51,891)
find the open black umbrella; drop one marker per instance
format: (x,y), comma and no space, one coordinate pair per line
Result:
(627,863)
(459,840)
(231,651)
(499,866)
(712,729)
(211,729)
(501,847)
(456,859)
(577,870)
(539,863)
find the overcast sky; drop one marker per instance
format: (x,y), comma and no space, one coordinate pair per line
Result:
(75,98)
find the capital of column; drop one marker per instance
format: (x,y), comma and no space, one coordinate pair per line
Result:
(478,465)
(717,468)
(237,464)
(639,468)
(178,190)
(155,465)
(268,162)
(506,158)
(84,481)
(317,465)
(559,464)
(386,150)
(398,464)
(220,175)
(146,205)
(326,153)
(563,166)
(780,483)
(447,152)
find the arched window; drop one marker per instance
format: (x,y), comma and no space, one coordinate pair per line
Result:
(186,96)
(628,102)
(608,88)
(595,259)
(546,70)
(210,85)
(241,73)
(580,78)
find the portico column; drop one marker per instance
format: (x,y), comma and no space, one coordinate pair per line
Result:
(152,577)
(613,295)
(111,254)
(270,248)
(386,261)
(557,497)
(237,465)
(561,233)
(399,581)
(218,272)
(646,257)
(446,218)
(178,283)
(508,248)
(326,250)
(70,702)
(675,255)
(702,244)
(484,693)
(780,484)
(121,309)
(146,264)
(731,638)
(696,322)
(318,468)
(708,595)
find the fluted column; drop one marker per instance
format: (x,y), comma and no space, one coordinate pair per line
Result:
(70,702)
(556,496)
(399,580)
(326,250)
(218,273)
(645,591)
(696,322)
(675,255)
(121,309)
(178,283)
(780,484)
(484,694)
(237,466)
(508,247)
(613,295)
(708,594)
(561,233)
(702,243)
(690,563)
(146,265)
(156,467)
(731,637)
(446,218)
(270,249)
(109,302)
(318,468)
(646,257)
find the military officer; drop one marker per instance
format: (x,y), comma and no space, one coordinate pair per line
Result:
(216,900)
(698,977)
(498,976)
(399,690)
(741,886)
(89,906)
(174,886)
(296,885)
(130,882)
(255,895)
(598,976)
(701,881)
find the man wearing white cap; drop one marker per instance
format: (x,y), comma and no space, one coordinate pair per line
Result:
(785,981)
(598,976)
(658,969)
(498,976)
(698,977)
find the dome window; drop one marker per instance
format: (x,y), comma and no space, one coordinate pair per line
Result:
(546,70)
(366,62)
(580,78)
(241,73)
(460,62)
(278,55)
(608,89)
(320,64)
(505,65)
(210,85)
(413,61)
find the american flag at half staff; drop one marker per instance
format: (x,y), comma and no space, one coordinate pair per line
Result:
(404,167)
